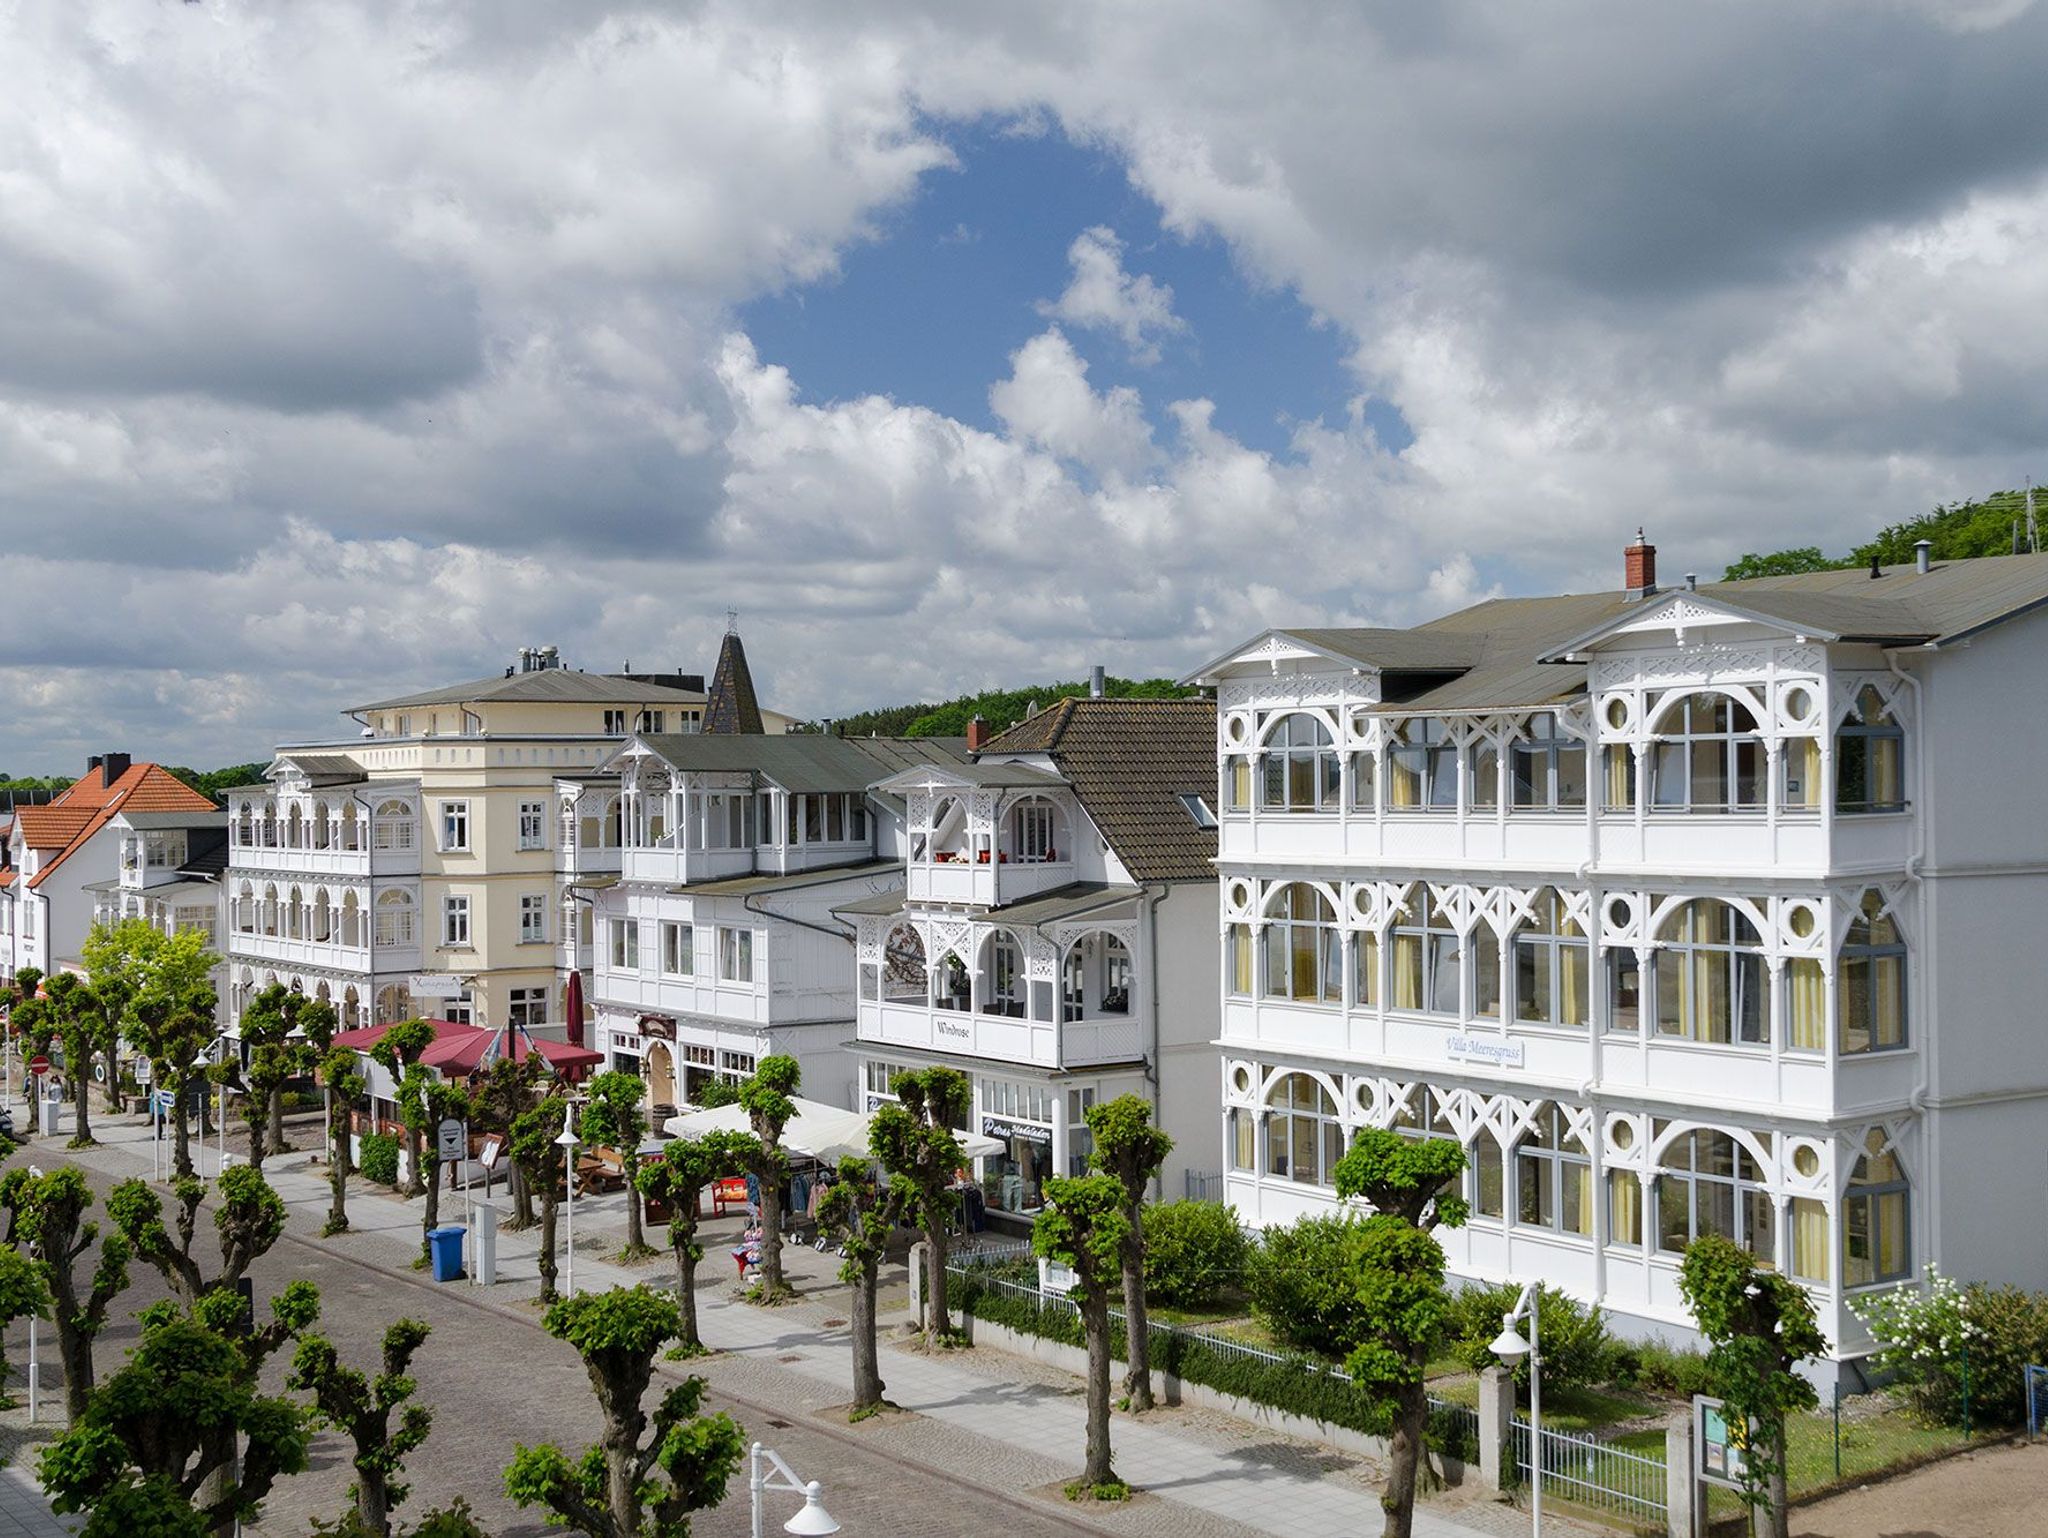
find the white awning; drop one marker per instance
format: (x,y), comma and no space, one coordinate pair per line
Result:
(822,1132)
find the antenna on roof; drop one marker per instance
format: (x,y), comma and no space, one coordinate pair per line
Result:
(732,622)
(2033,528)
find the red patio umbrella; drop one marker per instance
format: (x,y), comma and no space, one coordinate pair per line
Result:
(572,1008)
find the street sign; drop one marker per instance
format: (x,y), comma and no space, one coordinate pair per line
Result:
(165,1100)
(38,1065)
(144,1071)
(452,1140)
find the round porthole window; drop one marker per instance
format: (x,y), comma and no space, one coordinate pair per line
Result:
(1624,1136)
(1617,714)
(1240,896)
(1806,1161)
(1801,921)
(1235,727)
(1798,704)
(1241,1080)
(1362,1098)
(1618,913)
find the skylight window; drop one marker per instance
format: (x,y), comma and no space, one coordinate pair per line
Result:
(1198,809)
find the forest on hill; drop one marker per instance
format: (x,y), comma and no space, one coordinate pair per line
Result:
(998,707)
(1994,525)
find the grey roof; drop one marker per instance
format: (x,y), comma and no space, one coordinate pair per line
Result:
(1069,901)
(206,853)
(747,886)
(989,774)
(321,768)
(883,903)
(800,762)
(555,686)
(146,820)
(732,706)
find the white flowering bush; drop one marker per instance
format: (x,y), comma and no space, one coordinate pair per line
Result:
(1949,1344)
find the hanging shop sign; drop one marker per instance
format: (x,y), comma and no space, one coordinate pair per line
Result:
(1005,1129)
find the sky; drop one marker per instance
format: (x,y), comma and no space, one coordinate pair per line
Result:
(349,347)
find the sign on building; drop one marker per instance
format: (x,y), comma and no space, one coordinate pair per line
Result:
(1717,1446)
(435,985)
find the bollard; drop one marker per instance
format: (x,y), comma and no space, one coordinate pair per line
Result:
(918,1252)
(485,1271)
(1496,1423)
(1681,1486)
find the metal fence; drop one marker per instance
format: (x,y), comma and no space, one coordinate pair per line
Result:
(2037,1399)
(1202,1188)
(1596,1474)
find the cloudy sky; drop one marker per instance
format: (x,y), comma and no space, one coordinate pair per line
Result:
(348,346)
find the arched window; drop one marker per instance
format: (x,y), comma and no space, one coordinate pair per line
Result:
(1553,964)
(614,824)
(1428,953)
(1876,1246)
(1708,1183)
(1304,1139)
(323,916)
(295,914)
(1554,1176)
(1871,981)
(1096,977)
(1710,980)
(351,918)
(1870,758)
(269,826)
(1301,770)
(905,979)
(1035,834)
(245,909)
(1546,768)
(245,826)
(322,827)
(294,829)
(394,1003)
(394,827)
(1707,757)
(270,908)
(1304,947)
(1005,990)
(397,919)
(1422,767)
(351,1008)
(351,829)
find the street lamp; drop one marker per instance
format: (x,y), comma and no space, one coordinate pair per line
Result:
(566,1141)
(1511,1348)
(814,1521)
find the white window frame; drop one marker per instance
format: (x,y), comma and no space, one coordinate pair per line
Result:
(678,948)
(533,918)
(533,825)
(455,920)
(735,954)
(624,949)
(453,825)
(526,1006)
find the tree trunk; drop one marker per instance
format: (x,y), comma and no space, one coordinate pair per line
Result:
(867,1363)
(415,1156)
(771,1239)
(373,1504)
(259,1142)
(636,1232)
(181,1147)
(1404,1460)
(550,1204)
(937,1325)
(622,1490)
(1781,1503)
(278,1143)
(1137,1331)
(430,1216)
(686,1283)
(81,1084)
(1095,1324)
(117,1103)
(522,1200)
(74,1350)
(338,1163)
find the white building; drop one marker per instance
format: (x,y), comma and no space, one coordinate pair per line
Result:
(1687,911)
(697,876)
(1052,934)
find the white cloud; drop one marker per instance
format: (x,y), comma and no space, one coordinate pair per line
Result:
(1101,294)
(1048,401)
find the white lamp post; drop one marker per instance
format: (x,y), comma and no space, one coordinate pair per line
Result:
(814,1521)
(566,1141)
(35,1364)
(1510,1348)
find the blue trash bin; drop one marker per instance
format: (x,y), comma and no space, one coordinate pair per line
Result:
(445,1245)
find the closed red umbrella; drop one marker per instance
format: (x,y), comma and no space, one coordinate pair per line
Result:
(572,1008)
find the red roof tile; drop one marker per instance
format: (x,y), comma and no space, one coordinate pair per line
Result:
(86,807)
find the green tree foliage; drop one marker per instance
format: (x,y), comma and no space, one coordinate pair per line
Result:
(1958,531)
(1779,563)
(862,1212)
(173,1025)
(1085,1225)
(380,1158)
(766,1099)
(1577,1348)
(47,1212)
(397,1050)
(540,1164)
(1299,1278)
(685,1168)
(361,1408)
(641,1479)
(24,1294)
(506,1092)
(914,1139)
(1194,1252)
(212,782)
(119,959)
(342,1081)
(285,1034)
(1130,1149)
(65,1011)
(1959,1352)
(248,1219)
(154,1451)
(1759,1326)
(615,1117)
(425,1100)
(1403,1307)
(998,707)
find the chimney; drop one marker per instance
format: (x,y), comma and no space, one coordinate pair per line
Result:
(1923,551)
(112,767)
(1096,685)
(1639,568)
(550,657)
(977,734)
(1692,582)
(92,764)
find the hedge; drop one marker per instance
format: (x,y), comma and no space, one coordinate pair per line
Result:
(377,1158)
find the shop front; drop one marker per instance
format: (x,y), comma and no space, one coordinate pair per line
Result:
(677,1057)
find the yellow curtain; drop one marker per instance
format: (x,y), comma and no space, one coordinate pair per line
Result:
(1802,763)
(1407,971)
(1576,1215)
(1368,971)
(1573,966)
(1240,783)
(1888,980)
(1624,1207)
(1885,757)
(1404,783)
(1809,1239)
(1891,1234)
(1806,1005)
(1240,958)
(1620,776)
(1244,1129)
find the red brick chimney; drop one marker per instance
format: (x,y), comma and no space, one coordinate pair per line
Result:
(978,735)
(1639,568)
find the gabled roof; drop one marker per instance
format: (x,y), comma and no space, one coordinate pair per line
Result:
(318,768)
(547,686)
(68,822)
(1000,774)
(731,707)
(801,762)
(1129,763)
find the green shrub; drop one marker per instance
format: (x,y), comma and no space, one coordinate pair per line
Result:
(1950,1341)
(1193,1252)
(377,1158)
(1576,1346)
(1303,1283)
(1658,1367)
(713,1093)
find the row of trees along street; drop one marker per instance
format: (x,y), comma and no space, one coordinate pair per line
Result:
(182,1439)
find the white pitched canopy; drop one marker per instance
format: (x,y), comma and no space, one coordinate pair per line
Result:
(823,1132)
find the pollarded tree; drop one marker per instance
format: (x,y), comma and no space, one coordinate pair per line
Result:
(248,1218)
(285,1033)
(118,959)
(862,1213)
(1760,1326)
(615,1116)
(397,1050)
(507,1091)
(1083,1226)
(47,1212)
(1404,1309)
(341,1080)
(64,1010)
(766,1099)
(640,1480)
(179,1443)
(24,1294)
(678,1177)
(915,1141)
(424,1101)
(538,1159)
(1130,1148)
(174,1026)
(361,1407)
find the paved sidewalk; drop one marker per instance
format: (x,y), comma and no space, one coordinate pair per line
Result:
(1003,1434)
